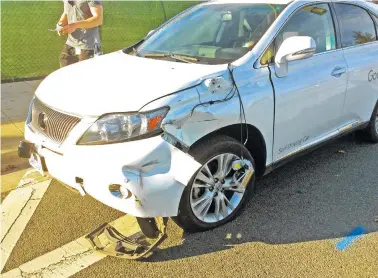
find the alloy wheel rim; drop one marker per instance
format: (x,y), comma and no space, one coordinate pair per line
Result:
(217,189)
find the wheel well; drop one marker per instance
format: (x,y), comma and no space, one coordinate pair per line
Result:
(255,145)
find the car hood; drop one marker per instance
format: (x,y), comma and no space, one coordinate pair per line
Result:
(118,82)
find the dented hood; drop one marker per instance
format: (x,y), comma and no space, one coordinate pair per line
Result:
(118,82)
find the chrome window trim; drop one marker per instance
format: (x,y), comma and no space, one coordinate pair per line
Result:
(315,55)
(359,45)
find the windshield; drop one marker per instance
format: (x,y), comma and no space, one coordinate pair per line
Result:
(211,33)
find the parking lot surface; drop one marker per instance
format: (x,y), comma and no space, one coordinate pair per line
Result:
(289,229)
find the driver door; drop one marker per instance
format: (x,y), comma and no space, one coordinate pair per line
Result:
(309,100)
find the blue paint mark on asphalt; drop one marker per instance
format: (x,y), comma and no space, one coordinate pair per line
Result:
(349,239)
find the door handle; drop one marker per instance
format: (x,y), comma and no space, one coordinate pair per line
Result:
(338,71)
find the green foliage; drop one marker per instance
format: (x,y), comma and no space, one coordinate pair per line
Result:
(28,49)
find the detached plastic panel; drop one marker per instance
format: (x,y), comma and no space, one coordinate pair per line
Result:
(108,240)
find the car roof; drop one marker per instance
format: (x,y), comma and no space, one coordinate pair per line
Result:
(369,4)
(283,2)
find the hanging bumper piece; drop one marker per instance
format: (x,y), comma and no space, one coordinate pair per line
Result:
(108,240)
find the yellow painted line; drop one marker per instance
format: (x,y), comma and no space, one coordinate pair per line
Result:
(12,129)
(9,181)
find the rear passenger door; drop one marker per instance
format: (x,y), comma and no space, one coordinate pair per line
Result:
(358,29)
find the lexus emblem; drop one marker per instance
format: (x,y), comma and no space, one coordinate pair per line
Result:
(42,120)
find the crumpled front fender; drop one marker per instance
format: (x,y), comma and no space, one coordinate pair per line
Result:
(158,178)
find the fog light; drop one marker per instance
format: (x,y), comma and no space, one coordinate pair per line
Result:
(119,191)
(114,189)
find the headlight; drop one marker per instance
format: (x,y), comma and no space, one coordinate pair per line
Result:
(121,127)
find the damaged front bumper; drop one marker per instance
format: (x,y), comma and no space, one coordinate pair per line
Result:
(150,174)
(132,244)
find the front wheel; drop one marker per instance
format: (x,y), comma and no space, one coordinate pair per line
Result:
(218,191)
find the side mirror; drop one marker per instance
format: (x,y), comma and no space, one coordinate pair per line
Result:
(150,33)
(293,49)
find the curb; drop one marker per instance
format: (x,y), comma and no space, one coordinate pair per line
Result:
(11,80)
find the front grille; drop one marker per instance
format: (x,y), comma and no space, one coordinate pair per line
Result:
(55,125)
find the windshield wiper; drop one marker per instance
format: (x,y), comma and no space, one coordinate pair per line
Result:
(178,57)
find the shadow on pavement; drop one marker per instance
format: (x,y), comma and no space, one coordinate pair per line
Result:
(13,168)
(10,162)
(10,138)
(323,195)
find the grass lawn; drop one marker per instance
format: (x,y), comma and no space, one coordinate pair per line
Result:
(28,49)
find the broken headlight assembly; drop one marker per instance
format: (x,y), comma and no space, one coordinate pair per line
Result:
(122,127)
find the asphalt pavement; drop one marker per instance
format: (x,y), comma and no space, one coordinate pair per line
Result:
(289,229)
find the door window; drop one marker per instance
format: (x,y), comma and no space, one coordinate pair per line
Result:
(314,21)
(357,27)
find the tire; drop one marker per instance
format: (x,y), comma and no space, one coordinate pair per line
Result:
(211,150)
(370,133)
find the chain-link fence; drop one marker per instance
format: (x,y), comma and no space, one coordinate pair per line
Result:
(28,49)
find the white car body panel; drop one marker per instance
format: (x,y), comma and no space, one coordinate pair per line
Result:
(151,169)
(362,92)
(113,80)
(304,108)
(309,101)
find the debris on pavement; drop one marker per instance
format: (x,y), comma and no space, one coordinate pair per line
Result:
(8,168)
(134,243)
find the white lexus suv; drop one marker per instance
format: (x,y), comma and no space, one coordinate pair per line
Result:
(181,123)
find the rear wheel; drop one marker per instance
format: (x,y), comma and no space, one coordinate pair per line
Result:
(371,132)
(216,193)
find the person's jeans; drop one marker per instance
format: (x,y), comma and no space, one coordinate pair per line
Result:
(68,55)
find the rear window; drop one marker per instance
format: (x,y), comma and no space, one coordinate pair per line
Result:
(357,26)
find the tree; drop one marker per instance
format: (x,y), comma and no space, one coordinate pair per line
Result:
(361,38)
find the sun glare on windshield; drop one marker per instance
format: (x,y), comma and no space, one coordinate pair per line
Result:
(212,33)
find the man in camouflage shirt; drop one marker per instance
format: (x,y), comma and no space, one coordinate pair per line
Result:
(80,21)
